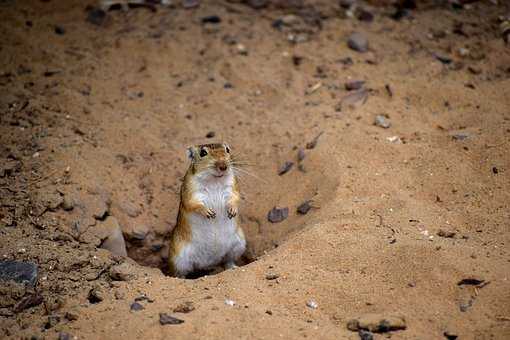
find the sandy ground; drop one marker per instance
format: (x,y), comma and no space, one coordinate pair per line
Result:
(95,121)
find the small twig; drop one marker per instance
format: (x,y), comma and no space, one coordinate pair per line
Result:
(43,178)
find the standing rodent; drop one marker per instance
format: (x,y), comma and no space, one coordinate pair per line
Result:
(207,233)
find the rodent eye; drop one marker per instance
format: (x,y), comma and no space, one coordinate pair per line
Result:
(227,149)
(203,153)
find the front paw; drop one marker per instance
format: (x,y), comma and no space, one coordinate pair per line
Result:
(209,213)
(231,211)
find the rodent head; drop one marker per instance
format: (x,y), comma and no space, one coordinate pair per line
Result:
(211,159)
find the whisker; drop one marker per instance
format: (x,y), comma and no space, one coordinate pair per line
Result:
(245,172)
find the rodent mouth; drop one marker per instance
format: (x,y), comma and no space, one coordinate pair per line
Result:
(218,176)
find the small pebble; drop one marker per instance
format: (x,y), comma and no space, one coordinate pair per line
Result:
(285,168)
(135,306)
(358,42)
(354,85)
(277,215)
(165,319)
(304,208)
(301,155)
(229,302)
(272,276)
(312,304)
(382,121)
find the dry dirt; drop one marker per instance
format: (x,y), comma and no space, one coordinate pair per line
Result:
(95,121)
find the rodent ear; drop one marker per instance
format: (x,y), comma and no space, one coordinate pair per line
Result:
(191,153)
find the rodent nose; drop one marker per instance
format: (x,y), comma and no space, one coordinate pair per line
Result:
(221,165)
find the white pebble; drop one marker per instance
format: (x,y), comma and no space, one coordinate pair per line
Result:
(229,302)
(312,304)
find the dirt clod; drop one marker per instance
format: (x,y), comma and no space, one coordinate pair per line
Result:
(185,307)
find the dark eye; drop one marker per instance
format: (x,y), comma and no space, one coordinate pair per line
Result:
(227,149)
(203,153)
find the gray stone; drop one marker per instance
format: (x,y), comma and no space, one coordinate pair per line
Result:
(20,272)
(382,121)
(165,319)
(358,42)
(136,306)
(276,215)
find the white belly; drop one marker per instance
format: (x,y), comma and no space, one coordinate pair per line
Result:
(212,238)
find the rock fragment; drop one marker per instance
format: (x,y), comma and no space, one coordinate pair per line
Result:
(285,168)
(382,121)
(365,335)
(122,272)
(31,300)
(18,271)
(446,233)
(96,295)
(272,276)
(304,208)
(165,319)
(377,323)
(358,42)
(354,85)
(185,307)
(277,215)
(136,306)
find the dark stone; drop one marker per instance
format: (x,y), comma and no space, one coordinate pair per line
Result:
(354,85)
(277,215)
(450,335)
(52,321)
(17,271)
(60,30)
(136,306)
(442,58)
(257,4)
(470,281)
(495,170)
(210,134)
(365,335)
(165,319)
(313,143)
(446,233)
(96,16)
(364,15)
(304,208)
(211,19)
(95,296)
(29,301)
(285,168)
